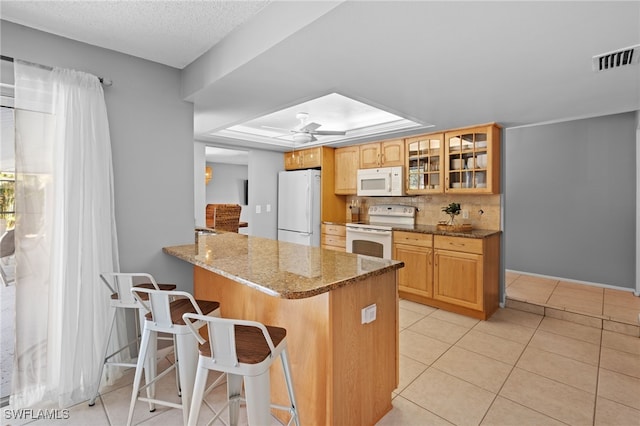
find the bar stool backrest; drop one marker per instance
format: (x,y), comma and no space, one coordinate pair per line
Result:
(159,305)
(120,284)
(221,332)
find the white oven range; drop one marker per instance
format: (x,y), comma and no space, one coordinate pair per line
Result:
(376,237)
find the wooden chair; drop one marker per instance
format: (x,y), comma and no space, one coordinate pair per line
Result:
(225,217)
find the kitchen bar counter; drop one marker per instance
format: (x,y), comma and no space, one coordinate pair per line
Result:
(344,371)
(279,269)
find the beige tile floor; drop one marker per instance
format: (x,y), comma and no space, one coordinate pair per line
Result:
(517,368)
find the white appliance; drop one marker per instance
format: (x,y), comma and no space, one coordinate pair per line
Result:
(382,182)
(299,207)
(376,237)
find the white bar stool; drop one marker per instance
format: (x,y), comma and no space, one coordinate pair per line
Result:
(165,310)
(120,284)
(243,350)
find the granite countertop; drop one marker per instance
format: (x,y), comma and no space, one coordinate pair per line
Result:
(432,229)
(280,269)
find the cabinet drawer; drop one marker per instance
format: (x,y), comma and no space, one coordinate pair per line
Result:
(467,245)
(336,248)
(333,240)
(413,238)
(339,230)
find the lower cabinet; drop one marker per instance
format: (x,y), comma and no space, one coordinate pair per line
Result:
(333,237)
(457,274)
(416,251)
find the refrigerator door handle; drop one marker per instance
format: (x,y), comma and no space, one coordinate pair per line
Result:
(309,205)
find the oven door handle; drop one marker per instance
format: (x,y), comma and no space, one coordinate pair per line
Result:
(369,231)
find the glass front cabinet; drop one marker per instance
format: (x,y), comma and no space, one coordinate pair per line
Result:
(472,160)
(424,164)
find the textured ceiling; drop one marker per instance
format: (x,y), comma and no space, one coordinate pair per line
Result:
(173,33)
(445,63)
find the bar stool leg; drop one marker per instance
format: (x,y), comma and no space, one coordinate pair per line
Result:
(234,393)
(284,357)
(198,394)
(150,362)
(257,391)
(92,401)
(187,353)
(175,361)
(151,367)
(142,355)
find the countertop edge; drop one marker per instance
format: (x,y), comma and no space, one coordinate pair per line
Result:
(432,229)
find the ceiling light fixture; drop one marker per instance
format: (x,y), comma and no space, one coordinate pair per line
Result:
(302,137)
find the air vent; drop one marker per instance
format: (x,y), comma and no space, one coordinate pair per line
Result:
(616,59)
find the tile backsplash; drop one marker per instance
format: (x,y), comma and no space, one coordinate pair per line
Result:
(430,208)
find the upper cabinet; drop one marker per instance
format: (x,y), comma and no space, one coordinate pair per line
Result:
(424,164)
(346,162)
(472,160)
(460,161)
(382,154)
(310,158)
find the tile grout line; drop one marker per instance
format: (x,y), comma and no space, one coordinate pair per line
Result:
(595,399)
(509,375)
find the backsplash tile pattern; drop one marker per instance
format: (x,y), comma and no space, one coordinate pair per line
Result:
(430,208)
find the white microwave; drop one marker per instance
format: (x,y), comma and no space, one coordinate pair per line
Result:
(382,182)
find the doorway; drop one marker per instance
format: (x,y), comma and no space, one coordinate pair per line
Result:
(7,258)
(226,180)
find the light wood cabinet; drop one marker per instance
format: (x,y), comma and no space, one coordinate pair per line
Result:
(382,154)
(333,237)
(457,274)
(346,161)
(310,158)
(416,251)
(472,160)
(424,164)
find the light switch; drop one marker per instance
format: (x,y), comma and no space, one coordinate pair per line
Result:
(268,208)
(258,208)
(465,214)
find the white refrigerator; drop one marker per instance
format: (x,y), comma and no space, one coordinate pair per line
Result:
(299,207)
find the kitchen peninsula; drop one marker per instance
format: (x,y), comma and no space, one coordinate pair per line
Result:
(343,371)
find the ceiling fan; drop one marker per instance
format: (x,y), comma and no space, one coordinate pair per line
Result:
(306,132)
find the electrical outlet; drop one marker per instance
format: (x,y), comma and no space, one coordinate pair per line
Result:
(368,314)
(268,208)
(465,214)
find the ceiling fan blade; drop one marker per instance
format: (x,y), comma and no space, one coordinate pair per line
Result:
(313,138)
(309,127)
(328,132)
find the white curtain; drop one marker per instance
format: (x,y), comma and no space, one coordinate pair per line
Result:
(65,235)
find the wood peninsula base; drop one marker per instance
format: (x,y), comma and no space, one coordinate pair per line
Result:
(344,372)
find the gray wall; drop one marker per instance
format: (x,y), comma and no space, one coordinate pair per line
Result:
(570,199)
(227,183)
(152,143)
(263,189)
